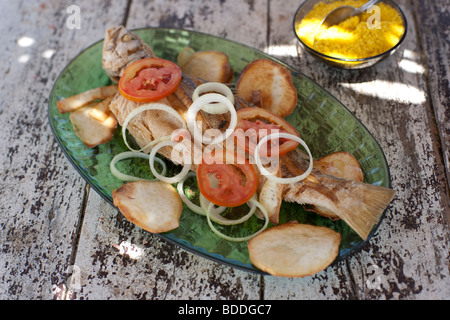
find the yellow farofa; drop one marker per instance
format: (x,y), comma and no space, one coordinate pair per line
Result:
(353,38)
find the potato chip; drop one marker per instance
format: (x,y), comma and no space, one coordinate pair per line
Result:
(294,250)
(270,84)
(76,102)
(90,131)
(210,66)
(154,206)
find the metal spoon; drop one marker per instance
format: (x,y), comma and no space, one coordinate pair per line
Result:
(344,12)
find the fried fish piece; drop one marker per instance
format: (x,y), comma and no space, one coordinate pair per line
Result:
(339,164)
(121,48)
(359,204)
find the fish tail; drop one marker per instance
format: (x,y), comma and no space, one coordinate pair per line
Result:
(364,214)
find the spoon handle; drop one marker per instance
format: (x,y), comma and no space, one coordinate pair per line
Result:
(366,6)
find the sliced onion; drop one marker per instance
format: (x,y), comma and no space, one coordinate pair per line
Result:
(255,204)
(204,203)
(204,100)
(128,155)
(176,178)
(271,176)
(214,108)
(180,188)
(215,213)
(145,107)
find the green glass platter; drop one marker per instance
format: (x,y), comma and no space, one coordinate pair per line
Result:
(324,123)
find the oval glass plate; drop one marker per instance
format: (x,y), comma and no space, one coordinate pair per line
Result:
(324,123)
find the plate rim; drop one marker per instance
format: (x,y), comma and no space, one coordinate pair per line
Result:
(193,249)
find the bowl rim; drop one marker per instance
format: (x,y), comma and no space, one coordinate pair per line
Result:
(336,59)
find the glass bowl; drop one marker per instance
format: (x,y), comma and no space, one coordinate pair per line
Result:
(343,63)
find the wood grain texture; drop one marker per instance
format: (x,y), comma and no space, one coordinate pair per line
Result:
(51,220)
(41,194)
(434,39)
(118,260)
(393,103)
(242,21)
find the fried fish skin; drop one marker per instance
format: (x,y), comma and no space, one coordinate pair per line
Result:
(359,204)
(120,49)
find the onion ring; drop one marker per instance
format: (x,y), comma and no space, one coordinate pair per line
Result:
(145,107)
(269,175)
(128,155)
(214,108)
(174,179)
(195,208)
(206,99)
(238,239)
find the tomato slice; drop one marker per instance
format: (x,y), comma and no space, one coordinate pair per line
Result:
(149,80)
(226,182)
(255,123)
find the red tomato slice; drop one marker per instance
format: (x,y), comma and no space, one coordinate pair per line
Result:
(226,183)
(149,80)
(256,123)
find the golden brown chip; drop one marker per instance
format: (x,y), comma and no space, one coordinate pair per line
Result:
(210,65)
(90,131)
(340,164)
(294,250)
(75,102)
(101,110)
(272,83)
(155,206)
(271,197)
(184,55)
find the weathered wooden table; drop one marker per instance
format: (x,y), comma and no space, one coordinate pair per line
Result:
(60,240)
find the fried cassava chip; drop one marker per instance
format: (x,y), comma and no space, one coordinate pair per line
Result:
(294,250)
(76,102)
(91,131)
(155,206)
(209,65)
(269,85)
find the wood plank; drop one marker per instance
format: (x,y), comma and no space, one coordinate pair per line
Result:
(408,256)
(435,42)
(242,21)
(161,270)
(41,193)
